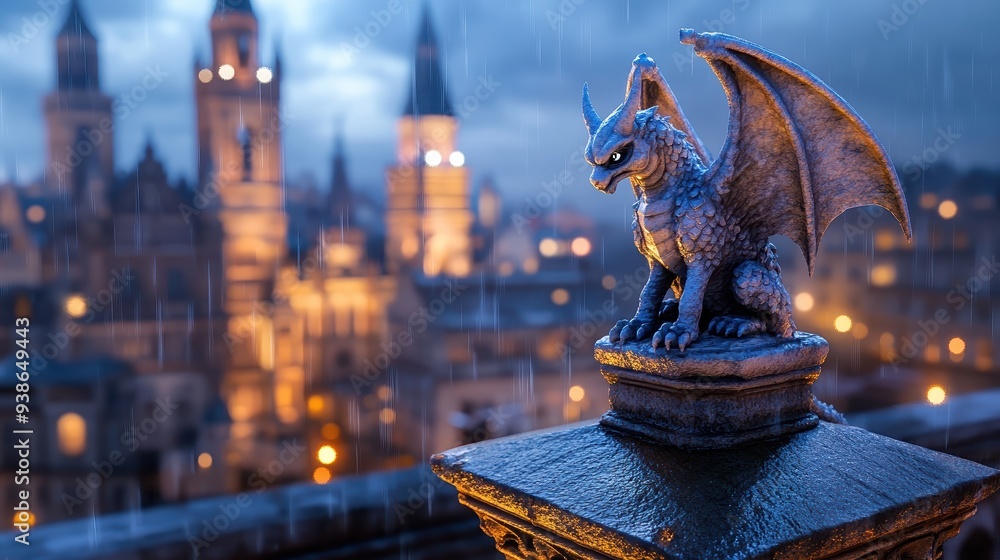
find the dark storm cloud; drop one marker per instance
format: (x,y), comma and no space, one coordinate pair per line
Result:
(515,70)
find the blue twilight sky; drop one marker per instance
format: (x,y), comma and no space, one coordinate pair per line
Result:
(913,68)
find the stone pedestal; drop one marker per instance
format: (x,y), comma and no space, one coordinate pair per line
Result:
(714,453)
(720,393)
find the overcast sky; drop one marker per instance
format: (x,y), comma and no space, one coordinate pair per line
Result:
(925,67)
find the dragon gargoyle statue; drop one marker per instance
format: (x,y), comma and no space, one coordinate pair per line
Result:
(795,158)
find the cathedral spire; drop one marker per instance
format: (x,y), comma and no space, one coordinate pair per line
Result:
(428,94)
(339,201)
(75,24)
(76,52)
(224,7)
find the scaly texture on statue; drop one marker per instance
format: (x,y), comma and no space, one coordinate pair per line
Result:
(796,157)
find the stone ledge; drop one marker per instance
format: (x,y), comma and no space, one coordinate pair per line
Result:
(829,492)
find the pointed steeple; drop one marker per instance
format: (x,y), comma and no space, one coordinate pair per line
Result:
(75,24)
(428,94)
(76,53)
(339,200)
(224,7)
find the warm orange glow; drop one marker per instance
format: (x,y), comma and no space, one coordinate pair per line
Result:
(76,306)
(883,275)
(947,209)
(804,301)
(885,240)
(580,246)
(72,430)
(860,331)
(505,269)
(205,75)
(936,395)
(560,296)
(22,517)
(576,393)
(326,454)
(387,415)
(384,392)
(321,475)
(843,323)
(530,265)
(928,200)
(35,213)
(330,431)
(956,345)
(548,247)
(316,405)
(205,460)
(608,282)
(409,247)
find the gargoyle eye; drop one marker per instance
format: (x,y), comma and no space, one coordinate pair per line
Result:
(619,156)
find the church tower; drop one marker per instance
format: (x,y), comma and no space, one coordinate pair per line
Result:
(80,163)
(240,178)
(428,217)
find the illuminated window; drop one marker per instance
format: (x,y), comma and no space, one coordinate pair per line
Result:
(560,296)
(72,431)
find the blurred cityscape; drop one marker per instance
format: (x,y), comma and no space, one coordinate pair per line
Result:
(239,332)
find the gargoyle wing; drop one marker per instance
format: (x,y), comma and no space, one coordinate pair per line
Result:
(797,155)
(656,92)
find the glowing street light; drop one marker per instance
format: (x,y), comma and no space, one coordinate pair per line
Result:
(76,306)
(227,72)
(804,301)
(947,209)
(456,159)
(264,75)
(432,158)
(843,323)
(326,454)
(936,395)
(205,75)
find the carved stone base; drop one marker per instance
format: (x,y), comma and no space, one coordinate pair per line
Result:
(833,492)
(720,393)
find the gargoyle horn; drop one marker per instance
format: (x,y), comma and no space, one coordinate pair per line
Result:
(632,104)
(590,115)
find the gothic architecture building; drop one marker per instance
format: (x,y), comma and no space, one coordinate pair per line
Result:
(211,346)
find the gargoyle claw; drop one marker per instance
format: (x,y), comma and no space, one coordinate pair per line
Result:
(634,329)
(672,334)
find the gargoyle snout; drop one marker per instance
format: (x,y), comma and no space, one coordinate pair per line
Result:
(602,180)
